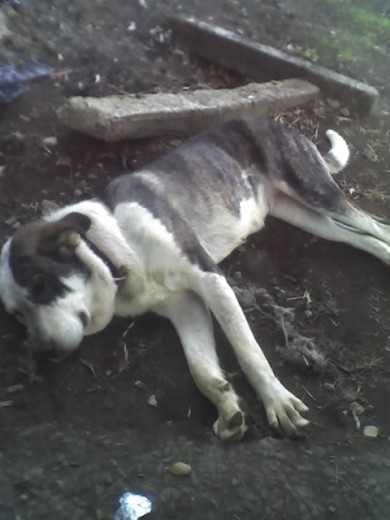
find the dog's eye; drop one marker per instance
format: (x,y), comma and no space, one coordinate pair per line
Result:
(39,288)
(43,289)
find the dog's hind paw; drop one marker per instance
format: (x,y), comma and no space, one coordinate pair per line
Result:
(284,410)
(231,428)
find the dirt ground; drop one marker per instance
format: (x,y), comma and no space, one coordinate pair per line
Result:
(75,436)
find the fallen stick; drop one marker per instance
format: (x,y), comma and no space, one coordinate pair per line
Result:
(130,116)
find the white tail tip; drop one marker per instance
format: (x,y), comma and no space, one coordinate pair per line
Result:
(338,155)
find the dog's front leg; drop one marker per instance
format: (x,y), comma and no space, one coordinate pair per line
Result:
(192,321)
(282,407)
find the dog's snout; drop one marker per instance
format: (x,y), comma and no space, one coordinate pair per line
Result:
(45,350)
(83,317)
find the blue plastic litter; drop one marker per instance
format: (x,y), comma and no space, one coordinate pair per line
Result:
(12,79)
(13,3)
(133,506)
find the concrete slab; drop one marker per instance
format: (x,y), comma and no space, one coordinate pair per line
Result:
(263,63)
(130,116)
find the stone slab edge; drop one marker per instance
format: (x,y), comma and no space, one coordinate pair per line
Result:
(262,62)
(115,118)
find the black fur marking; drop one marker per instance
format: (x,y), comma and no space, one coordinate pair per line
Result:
(136,189)
(236,421)
(41,275)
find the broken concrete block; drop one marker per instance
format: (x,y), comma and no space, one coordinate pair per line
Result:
(263,63)
(115,118)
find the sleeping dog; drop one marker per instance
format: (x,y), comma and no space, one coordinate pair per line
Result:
(153,243)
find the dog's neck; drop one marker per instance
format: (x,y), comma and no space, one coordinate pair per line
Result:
(118,273)
(106,241)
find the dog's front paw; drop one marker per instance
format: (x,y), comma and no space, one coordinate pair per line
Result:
(230,428)
(284,410)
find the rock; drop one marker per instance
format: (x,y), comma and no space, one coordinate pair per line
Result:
(180,469)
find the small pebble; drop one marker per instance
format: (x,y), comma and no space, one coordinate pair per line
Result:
(329,387)
(140,385)
(180,469)
(12,221)
(50,141)
(152,401)
(14,388)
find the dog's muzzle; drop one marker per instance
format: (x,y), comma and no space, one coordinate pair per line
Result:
(51,349)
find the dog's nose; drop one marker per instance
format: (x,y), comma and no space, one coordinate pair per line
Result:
(45,354)
(46,350)
(84,318)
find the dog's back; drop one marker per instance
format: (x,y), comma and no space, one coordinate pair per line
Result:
(220,184)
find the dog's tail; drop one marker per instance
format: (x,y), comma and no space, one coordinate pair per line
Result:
(338,155)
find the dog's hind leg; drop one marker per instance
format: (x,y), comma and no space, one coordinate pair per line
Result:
(192,322)
(305,176)
(282,407)
(369,237)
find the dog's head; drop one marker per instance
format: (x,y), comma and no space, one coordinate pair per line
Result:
(52,282)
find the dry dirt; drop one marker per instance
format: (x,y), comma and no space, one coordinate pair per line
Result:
(77,435)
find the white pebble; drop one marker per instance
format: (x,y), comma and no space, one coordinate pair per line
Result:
(152,401)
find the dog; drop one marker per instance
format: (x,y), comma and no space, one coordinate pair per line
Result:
(153,242)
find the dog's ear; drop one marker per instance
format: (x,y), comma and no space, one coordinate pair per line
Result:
(61,237)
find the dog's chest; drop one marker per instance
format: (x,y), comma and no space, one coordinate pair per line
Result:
(165,266)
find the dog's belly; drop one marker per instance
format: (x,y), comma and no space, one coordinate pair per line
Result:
(220,237)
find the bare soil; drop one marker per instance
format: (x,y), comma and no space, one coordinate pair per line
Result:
(74,436)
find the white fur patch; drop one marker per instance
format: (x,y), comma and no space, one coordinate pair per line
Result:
(338,156)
